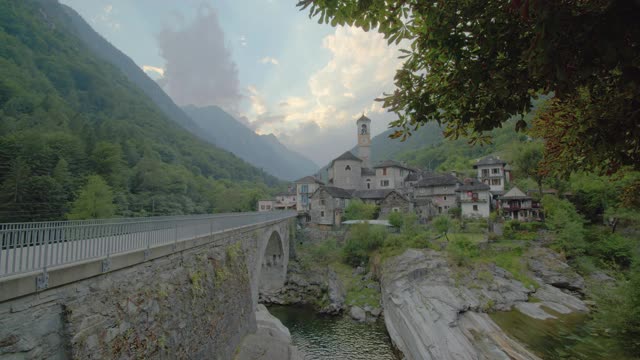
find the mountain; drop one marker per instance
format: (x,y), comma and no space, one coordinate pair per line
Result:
(263,151)
(65,114)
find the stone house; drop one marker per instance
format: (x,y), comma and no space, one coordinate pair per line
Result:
(371,196)
(424,209)
(304,188)
(390,174)
(345,172)
(394,202)
(328,204)
(516,205)
(494,172)
(285,201)
(440,189)
(475,199)
(266,205)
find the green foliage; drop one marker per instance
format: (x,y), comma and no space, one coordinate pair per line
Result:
(462,250)
(442,224)
(358,210)
(472,65)
(362,240)
(568,226)
(64,115)
(396,219)
(527,162)
(94,202)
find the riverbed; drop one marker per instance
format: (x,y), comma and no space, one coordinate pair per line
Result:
(323,337)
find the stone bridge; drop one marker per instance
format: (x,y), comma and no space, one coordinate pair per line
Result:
(170,288)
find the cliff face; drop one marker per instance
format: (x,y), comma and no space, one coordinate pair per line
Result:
(434,312)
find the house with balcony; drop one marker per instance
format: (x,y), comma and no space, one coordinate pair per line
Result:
(516,205)
(494,172)
(475,199)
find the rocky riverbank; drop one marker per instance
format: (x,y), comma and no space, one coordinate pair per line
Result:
(434,310)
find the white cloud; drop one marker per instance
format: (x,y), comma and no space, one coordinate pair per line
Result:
(258,105)
(106,17)
(153,70)
(361,68)
(269,60)
(243,40)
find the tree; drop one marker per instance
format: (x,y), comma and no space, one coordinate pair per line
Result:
(471,65)
(527,161)
(358,210)
(94,202)
(442,224)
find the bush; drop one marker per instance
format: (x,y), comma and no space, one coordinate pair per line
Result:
(395,219)
(358,210)
(442,224)
(362,239)
(455,212)
(568,225)
(462,250)
(610,249)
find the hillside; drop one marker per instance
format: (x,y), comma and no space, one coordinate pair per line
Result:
(263,151)
(66,114)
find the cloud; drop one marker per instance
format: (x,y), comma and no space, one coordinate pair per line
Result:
(153,70)
(106,16)
(199,69)
(321,124)
(269,60)
(243,40)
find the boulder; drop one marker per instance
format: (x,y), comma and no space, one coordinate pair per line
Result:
(550,267)
(271,340)
(336,294)
(358,314)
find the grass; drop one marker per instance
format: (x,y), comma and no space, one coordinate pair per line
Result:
(357,292)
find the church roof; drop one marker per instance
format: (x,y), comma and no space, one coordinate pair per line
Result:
(489,160)
(391,163)
(514,193)
(367,172)
(348,155)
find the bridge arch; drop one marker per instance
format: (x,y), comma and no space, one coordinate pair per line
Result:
(270,264)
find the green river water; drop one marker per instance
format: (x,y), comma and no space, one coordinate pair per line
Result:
(334,337)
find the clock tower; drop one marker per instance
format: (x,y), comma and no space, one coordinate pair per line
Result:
(364,140)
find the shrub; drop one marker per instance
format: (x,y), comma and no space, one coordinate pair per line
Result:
(442,224)
(363,239)
(462,250)
(395,219)
(358,210)
(455,212)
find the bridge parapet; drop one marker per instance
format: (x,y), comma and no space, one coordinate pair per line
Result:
(36,256)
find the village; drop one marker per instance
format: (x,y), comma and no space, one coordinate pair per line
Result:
(396,187)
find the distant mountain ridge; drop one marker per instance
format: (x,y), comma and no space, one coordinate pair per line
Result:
(263,151)
(229,134)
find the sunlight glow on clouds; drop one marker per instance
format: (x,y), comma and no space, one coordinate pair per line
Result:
(269,60)
(361,68)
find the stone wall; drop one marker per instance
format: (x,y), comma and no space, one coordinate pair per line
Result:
(197,303)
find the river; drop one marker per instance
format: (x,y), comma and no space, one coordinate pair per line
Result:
(334,337)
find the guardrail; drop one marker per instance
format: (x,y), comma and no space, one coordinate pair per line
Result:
(36,246)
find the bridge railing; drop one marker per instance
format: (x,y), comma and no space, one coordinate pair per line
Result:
(35,246)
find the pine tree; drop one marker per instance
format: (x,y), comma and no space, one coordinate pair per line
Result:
(95,201)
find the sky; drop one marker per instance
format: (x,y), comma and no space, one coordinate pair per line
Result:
(263,61)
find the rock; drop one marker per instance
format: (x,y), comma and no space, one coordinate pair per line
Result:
(534,310)
(272,340)
(358,271)
(429,316)
(358,314)
(548,265)
(555,299)
(376,312)
(337,294)
(601,277)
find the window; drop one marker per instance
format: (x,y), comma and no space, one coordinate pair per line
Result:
(368,185)
(485,172)
(347,168)
(445,198)
(384,183)
(395,209)
(495,182)
(304,188)
(363,130)
(321,213)
(384,171)
(261,207)
(475,207)
(495,171)
(322,203)
(474,196)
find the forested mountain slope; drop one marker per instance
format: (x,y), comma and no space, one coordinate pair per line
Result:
(219,127)
(264,151)
(65,114)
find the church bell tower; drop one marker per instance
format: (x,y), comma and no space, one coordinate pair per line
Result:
(364,140)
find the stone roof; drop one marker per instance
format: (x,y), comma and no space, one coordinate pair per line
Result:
(372,194)
(363,118)
(474,185)
(489,160)
(514,193)
(391,163)
(367,172)
(348,155)
(413,176)
(429,180)
(397,193)
(336,192)
(308,180)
